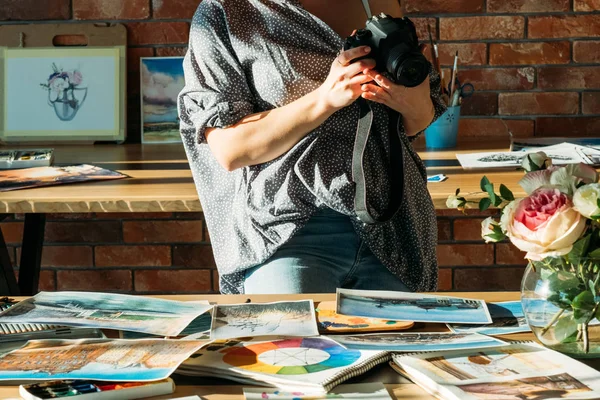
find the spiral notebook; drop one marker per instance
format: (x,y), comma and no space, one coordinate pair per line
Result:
(509,372)
(314,364)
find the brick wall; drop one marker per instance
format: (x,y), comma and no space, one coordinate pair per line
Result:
(535,65)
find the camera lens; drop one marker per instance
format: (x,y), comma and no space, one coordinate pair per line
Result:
(412,71)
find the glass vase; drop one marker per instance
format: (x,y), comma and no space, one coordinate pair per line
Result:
(561,305)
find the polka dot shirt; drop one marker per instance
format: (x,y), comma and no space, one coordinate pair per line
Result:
(247,56)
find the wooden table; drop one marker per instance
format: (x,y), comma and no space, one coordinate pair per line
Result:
(399,387)
(161,181)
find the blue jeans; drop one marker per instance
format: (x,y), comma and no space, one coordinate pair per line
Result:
(324,255)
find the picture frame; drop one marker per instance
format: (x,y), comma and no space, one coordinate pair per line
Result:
(161,80)
(53,95)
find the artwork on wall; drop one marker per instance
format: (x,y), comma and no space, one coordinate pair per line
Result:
(161,81)
(52,94)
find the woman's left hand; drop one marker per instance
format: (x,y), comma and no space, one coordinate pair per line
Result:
(414,104)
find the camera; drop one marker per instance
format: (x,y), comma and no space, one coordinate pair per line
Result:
(395,47)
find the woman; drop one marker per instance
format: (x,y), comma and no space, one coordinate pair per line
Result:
(268,119)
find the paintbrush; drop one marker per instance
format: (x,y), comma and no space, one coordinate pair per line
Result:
(453,75)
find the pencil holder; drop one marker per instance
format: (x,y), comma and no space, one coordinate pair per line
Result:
(443,132)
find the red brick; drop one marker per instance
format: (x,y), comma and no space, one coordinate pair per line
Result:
(467,229)
(444,279)
(586,5)
(135,215)
(591,103)
(474,28)
(12,232)
(450,255)
(111,9)
(470,53)
(66,256)
(30,10)
(586,52)
(171,51)
(215,281)
(470,128)
(564,26)
(83,232)
(421,25)
(94,281)
(484,103)
(162,231)
(538,103)
(47,281)
(444,229)
(529,53)
(498,78)
(442,6)
(573,127)
(133,65)
(508,254)
(569,78)
(133,256)
(173,281)
(487,279)
(527,6)
(140,33)
(174,9)
(195,256)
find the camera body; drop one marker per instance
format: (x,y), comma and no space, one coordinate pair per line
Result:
(395,47)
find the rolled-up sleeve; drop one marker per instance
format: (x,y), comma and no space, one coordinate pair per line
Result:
(216,93)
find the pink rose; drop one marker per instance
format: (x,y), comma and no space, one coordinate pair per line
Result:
(75,77)
(544,224)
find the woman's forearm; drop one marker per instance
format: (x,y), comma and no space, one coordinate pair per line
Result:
(264,136)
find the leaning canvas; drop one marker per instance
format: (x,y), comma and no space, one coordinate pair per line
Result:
(66,94)
(160,84)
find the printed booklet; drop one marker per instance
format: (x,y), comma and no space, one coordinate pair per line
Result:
(315,364)
(517,371)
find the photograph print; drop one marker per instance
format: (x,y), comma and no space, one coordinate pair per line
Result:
(286,318)
(417,341)
(415,307)
(507,318)
(161,81)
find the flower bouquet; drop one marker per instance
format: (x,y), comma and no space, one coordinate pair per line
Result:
(558,226)
(62,86)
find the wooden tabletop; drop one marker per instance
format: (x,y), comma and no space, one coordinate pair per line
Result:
(161,180)
(398,387)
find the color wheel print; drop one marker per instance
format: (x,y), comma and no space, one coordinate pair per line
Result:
(291,356)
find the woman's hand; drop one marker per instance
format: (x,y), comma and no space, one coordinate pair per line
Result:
(343,84)
(414,104)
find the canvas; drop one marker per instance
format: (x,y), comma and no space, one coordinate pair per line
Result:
(62,94)
(161,81)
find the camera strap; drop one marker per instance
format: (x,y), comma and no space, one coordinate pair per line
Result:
(395,166)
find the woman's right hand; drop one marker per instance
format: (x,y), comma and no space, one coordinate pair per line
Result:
(343,84)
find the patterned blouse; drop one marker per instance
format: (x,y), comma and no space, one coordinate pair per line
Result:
(247,56)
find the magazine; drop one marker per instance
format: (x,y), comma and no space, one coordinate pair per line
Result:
(513,372)
(412,307)
(100,359)
(315,364)
(106,310)
(48,176)
(11,158)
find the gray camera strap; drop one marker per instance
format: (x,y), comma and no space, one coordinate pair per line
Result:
(395,166)
(367,8)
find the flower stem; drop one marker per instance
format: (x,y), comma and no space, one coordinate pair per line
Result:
(586,339)
(553,321)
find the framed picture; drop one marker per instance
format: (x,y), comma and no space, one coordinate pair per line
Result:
(62,94)
(161,80)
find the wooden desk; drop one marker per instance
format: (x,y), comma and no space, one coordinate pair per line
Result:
(161,181)
(399,387)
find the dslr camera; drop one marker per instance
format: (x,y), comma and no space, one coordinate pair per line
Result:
(395,47)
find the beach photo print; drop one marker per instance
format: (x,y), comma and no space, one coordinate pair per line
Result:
(160,84)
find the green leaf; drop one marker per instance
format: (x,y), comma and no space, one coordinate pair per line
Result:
(592,286)
(484,181)
(562,281)
(484,204)
(565,327)
(584,301)
(506,193)
(594,254)
(579,250)
(457,191)
(598,202)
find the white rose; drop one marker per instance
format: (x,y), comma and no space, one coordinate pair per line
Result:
(536,161)
(585,200)
(455,201)
(487,230)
